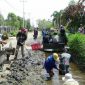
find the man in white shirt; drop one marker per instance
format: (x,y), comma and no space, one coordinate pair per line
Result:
(68,80)
(66,57)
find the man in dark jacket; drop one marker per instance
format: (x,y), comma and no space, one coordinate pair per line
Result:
(62,36)
(35,33)
(21,38)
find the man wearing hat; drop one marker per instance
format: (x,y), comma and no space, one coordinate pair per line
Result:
(51,62)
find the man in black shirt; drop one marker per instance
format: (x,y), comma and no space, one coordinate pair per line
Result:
(21,38)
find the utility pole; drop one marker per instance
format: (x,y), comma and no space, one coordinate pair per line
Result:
(23,1)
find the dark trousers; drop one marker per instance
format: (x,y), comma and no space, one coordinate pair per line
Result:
(62,70)
(17,50)
(50,72)
(67,68)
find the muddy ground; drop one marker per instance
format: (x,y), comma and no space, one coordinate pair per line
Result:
(28,71)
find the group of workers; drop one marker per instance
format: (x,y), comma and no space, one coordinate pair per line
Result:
(60,36)
(53,61)
(59,62)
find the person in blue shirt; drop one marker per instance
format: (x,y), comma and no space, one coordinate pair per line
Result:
(45,37)
(51,62)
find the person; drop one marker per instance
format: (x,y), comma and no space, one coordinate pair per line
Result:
(62,66)
(68,80)
(84,30)
(62,36)
(35,33)
(52,61)
(44,36)
(21,38)
(66,59)
(81,29)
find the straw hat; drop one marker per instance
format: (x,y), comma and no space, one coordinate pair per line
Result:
(55,56)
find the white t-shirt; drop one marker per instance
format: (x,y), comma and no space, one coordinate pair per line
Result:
(67,58)
(71,82)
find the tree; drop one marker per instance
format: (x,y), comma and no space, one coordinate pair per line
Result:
(56,18)
(20,21)
(11,18)
(44,24)
(74,12)
(28,25)
(72,2)
(1,20)
(14,21)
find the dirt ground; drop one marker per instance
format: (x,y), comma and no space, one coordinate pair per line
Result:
(29,70)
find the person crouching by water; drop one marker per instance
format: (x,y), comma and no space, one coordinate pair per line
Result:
(51,62)
(68,80)
(21,38)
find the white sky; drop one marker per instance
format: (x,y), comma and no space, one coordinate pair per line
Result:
(34,9)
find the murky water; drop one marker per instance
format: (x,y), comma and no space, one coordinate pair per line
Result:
(77,75)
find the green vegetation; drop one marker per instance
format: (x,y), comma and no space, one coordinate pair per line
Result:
(14,21)
(77,49)
(5,36)
(44,24)
(71,17)
(13,33)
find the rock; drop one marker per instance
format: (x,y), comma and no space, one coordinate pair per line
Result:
(7,68)
(2,75)
(27,69)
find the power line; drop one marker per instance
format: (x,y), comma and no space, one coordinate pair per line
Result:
(11,5)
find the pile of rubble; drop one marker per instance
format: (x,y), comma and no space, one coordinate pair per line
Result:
(26,71)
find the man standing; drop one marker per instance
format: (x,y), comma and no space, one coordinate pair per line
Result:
(21,38)
(62,36)
(35,33)
(66,59)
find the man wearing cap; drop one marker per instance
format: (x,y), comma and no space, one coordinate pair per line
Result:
(21,38)
(68,80)
(51,62)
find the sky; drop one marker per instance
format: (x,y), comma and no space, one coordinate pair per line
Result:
(33,9)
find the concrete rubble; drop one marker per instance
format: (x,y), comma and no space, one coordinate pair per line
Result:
(26,71)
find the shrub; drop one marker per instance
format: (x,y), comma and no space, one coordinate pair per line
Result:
(5,36)
(77,48)
(13,33)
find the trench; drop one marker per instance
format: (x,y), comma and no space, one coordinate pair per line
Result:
(35,71)
(74,70)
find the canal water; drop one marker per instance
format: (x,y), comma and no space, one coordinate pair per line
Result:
(76,73)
